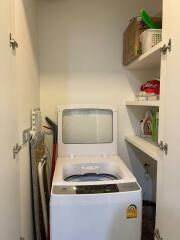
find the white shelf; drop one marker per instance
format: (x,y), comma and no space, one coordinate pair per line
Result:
(149,60)
(143,103)
(145,146)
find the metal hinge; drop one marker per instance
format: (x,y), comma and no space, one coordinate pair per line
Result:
(157,235)
(167,47)
(12,42)
(164,147)
(16,149)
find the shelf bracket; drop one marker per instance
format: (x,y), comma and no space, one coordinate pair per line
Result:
(16,149)
(12,42)
(164,147)
(157,235)
(167,47)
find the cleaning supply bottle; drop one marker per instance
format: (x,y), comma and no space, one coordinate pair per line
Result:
(155,117)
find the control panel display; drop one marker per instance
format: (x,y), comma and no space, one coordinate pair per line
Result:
(97,189)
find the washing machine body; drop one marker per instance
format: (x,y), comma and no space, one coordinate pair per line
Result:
(94,196)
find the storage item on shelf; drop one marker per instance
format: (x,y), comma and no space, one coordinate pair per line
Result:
(144,96)
(151,86)
(149,38)
(146,124)
(153,98)
(149,20)
(155,124)
(141,98)
(149,91)
(149,125)
(131,38)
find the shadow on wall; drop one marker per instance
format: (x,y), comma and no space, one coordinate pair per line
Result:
(138,159)
(81,54)
(80,46)
(29,10)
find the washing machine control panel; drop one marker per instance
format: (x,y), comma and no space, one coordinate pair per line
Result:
(96,189)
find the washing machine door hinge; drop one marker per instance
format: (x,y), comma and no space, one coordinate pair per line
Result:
(157,235)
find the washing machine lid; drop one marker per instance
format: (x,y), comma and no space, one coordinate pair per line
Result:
(87,130)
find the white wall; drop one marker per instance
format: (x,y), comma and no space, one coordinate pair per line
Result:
(27,75)
(80,48)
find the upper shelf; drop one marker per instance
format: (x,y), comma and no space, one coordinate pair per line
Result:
(149,60)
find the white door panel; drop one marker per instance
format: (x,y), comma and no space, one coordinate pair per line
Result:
(169,216)
(9,182)
(162,112)
(171,167)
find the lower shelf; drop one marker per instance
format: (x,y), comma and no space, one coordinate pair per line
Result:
(145,146)
(143,103)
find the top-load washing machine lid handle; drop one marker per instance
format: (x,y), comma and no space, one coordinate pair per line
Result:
(87,130)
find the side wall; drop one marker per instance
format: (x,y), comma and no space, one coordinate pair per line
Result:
(27,74)
(80,47)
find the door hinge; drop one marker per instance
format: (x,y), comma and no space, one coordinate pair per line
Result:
(157,235)
(164,147)
(16,149)
(167,47)
(12,42)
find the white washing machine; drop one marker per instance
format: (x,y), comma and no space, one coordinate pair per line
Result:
(94,196)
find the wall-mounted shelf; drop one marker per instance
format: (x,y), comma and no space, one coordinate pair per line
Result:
(149,60)
(143,103)
(145,146)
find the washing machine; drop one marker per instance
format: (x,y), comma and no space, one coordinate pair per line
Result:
(94,196)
